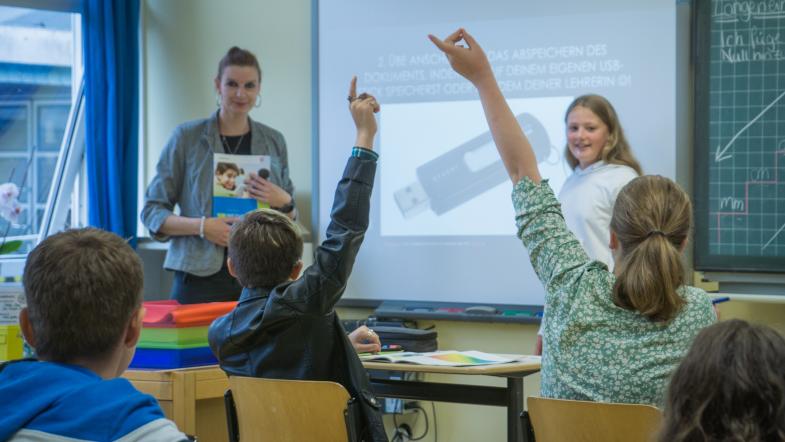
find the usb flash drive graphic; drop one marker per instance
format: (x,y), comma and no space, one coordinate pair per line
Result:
(465,172)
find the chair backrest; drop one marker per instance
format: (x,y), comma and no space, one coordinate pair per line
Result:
(581,421)
(284,410)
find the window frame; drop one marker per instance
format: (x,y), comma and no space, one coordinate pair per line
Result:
(67,189)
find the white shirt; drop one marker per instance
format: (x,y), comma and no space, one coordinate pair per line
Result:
(587,199)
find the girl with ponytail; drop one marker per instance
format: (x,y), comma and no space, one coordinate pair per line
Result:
(609,336)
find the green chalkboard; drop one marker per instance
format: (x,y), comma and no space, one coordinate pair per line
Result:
(739,55)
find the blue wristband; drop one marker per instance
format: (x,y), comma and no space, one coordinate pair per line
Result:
(364,154)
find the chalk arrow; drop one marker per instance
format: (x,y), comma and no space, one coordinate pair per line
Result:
(719,154)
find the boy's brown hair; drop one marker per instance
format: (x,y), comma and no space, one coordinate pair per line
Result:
(264,248)
(82,287)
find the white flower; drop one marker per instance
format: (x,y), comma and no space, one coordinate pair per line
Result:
(10,209)
(8,192)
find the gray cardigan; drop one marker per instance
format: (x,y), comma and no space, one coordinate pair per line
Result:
(184,177)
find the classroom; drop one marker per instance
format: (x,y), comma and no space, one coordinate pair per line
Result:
(420,258)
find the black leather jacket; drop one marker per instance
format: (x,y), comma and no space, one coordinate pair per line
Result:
(291,331)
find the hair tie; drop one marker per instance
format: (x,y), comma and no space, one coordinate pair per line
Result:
(655,232)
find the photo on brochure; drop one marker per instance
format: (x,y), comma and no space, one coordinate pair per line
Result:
(230,196)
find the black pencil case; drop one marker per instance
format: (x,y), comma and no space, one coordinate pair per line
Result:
(410,339)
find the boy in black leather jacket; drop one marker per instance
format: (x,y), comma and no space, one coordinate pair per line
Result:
(284,327)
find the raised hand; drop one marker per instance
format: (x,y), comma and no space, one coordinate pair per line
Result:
(469,61)
(362,108)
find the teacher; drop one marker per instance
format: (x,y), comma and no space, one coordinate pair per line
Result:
(185,175)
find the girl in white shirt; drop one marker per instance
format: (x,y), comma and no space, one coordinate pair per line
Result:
(602,164)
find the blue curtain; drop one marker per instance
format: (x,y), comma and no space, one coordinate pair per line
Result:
(111,65)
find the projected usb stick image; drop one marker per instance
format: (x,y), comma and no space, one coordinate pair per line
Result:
(465,172)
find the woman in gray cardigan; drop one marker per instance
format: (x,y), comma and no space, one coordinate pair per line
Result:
(185,178)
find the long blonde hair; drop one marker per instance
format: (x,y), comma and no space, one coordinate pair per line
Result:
(617,151)
(652,218)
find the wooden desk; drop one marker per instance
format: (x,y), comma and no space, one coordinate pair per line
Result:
(191,397)
(510,397)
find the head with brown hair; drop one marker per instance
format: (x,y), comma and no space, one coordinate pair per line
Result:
(82,288)
(264,249)
(223,166)
(616,149)
(651,221)
(238,82)
(729,387)
(238,57)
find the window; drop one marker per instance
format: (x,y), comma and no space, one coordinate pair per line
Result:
(39,78)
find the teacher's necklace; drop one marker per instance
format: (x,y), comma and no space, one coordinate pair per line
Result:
(225,142)
(228,149)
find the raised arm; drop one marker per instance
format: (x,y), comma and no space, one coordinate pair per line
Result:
(471,63)
(323,282)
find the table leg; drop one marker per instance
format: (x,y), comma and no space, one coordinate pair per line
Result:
(184,401)
(515,430)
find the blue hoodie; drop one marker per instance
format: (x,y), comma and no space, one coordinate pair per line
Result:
(53,401)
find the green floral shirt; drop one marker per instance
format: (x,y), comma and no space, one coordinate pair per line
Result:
(595,350)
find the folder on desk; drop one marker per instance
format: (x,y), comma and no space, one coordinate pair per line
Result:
(163,314)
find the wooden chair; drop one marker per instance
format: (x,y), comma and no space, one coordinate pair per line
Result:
(557,420)
(282,410)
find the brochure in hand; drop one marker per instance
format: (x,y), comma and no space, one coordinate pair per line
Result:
(447,358)
(230,196)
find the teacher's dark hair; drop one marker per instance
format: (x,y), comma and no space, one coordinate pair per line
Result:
(729,387)
(238,57)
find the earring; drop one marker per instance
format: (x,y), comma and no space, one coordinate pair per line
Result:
(258,100)
(218,100)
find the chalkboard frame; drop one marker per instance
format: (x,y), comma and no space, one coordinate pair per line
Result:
(703,260)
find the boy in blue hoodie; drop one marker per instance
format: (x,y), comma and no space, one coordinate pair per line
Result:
(83,316)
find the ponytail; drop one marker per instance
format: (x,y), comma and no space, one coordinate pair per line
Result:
(652,271)
(651,219)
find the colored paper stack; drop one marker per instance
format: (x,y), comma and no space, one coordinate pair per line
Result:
(10,342)
(174,335)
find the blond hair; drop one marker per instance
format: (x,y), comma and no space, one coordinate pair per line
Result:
(652,218)
(617,150)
